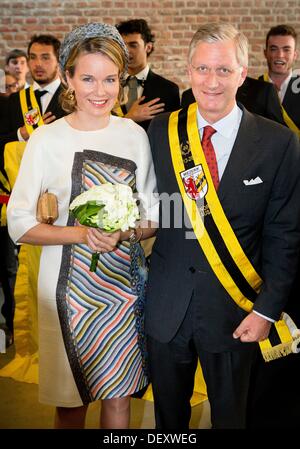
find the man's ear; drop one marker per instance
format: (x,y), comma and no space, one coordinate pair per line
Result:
(189,71)
(149,48)
(296,55)
(243,75)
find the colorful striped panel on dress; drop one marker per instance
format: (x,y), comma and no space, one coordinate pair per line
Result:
(100,331)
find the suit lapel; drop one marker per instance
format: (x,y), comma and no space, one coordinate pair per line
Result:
(244,152)
(291,100)
(148,84)
(53,106)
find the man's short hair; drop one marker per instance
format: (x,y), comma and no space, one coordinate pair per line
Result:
(45,39)
(221,31)
(139,26)
(282,30)
(14,54)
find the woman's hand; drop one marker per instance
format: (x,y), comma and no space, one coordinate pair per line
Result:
(101,241)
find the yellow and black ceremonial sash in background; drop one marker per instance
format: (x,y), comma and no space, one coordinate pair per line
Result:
(287,119)
(4,197)
(117,110)
(30,110)
(210,224)
(13,151)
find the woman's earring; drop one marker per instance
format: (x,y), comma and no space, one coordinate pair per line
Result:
(71,96)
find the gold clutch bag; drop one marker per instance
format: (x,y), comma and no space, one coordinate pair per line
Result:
(47,208)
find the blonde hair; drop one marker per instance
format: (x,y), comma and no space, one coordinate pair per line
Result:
(221,31)
(103,45)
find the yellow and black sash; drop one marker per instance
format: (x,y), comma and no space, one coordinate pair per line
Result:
(13,151)
(30,109)
(117,110)
(287,119)
(210,224)
(4,197)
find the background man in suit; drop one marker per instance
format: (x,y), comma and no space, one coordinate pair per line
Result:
(43,64)
(191,310)
(281,54)
(16,64)
(155,94)
(275,390)
(257,96)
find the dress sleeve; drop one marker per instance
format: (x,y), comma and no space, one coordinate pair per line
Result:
(21,211)
(146,182)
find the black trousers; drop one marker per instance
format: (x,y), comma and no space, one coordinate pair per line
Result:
(172,371)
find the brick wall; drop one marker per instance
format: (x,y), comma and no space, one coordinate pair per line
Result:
(173,22)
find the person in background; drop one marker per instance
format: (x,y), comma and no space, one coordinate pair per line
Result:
(281,54)
(8,260)
(21,113)
(11,85)
(43,64)
(226,250)
(148,93)
(275,392)
(90,324)
(16,63)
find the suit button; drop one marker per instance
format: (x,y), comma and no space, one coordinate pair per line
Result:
(192,270)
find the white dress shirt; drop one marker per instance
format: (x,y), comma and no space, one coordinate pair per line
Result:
(142,75)
(283,88)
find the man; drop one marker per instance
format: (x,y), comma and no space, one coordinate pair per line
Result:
(152,93)
(275,392)
(257,96)
(237,242)
(43,64)
(11,85)
(16,64)
(281,53)
(22,113)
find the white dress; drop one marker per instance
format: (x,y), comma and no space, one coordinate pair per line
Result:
(90,324)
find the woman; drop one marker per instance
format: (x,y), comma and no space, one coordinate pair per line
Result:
(89,323)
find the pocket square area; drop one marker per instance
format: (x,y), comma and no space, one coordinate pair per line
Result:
(253,182)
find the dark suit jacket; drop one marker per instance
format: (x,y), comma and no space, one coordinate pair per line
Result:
(257,96)
(291,100)
(157,86)
(265,218)
(14,119)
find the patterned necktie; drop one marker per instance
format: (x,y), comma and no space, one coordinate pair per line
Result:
(210,154)
(132,91)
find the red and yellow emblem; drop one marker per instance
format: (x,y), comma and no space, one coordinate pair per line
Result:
(32,117)
(195,182)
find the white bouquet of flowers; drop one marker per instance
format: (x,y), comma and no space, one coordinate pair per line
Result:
(110,207)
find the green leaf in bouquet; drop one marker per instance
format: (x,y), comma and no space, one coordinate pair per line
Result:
(87,214)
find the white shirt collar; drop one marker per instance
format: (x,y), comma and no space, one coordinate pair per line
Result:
(283,88)
(142,75)
(226,125)
(51,87)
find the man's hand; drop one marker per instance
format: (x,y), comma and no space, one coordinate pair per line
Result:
(253,328)
(24,133)
(146,111)
(47,118)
